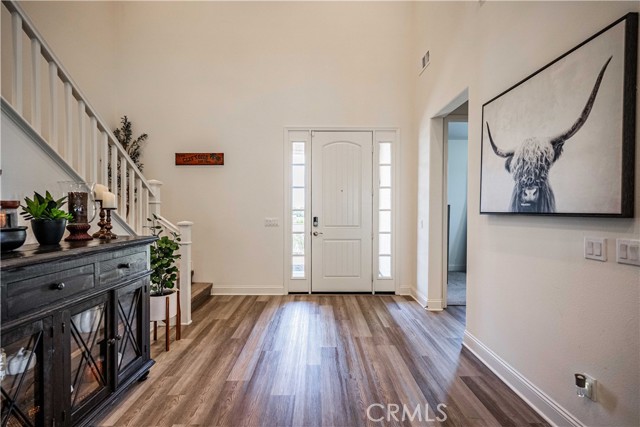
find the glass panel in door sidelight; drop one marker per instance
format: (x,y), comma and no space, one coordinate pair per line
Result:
(22,389)
(88,354)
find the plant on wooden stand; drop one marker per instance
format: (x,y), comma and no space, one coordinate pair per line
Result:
(164,303)
(163,259)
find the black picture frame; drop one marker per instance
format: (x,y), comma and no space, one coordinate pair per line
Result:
(607,140)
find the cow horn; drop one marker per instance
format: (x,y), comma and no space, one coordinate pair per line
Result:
(559,140)
(496,150)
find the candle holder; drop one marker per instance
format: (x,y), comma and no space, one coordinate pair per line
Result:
(108,235)
(81,206)
(102,221)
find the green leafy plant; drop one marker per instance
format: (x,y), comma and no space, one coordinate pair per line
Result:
(163,259)
(45,208)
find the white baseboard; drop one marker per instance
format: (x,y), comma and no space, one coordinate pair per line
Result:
(544,405)
(231,289)
(403,290)
(435,304)
(419,297)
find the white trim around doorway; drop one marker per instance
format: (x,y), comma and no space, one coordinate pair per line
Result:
(297,134)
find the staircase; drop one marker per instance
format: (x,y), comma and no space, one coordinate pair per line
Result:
(54,114)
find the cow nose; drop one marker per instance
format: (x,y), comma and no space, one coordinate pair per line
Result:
(530,194)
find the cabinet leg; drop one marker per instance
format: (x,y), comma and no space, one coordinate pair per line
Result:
(178,320)
(155,330)
(143,377)
(167,324)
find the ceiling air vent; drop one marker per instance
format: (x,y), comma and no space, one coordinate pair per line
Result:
(424,61)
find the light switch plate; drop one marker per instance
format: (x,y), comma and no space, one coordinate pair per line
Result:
(595,248)
(271,222)
(628,251)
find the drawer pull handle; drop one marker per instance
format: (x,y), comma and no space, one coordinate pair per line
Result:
(59,286)
(118,337)
(125,265)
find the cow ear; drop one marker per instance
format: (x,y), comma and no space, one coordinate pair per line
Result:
(557,150)
(507,164)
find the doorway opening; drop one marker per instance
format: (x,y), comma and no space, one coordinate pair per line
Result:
(455,182)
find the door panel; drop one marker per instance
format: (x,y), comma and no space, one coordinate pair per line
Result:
(341,199)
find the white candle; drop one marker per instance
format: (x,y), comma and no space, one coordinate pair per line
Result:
(98,190)
(109,200)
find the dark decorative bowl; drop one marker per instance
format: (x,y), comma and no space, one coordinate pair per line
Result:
(12,238)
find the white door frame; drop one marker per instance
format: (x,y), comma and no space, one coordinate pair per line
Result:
(303,134)
(452,118)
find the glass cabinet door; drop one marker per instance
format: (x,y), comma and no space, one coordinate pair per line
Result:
(86,379)
(22,371)
(130,346)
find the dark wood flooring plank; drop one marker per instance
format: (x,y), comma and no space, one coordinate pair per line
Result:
(318,360)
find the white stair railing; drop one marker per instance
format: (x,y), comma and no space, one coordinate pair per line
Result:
(183,228)
(87,145)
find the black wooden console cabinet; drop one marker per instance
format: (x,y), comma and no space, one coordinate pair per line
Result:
(75,329)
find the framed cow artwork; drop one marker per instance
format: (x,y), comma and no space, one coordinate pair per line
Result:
(562,141)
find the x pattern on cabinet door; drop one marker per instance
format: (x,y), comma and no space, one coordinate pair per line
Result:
(87,361)
(12,397)
(127,327)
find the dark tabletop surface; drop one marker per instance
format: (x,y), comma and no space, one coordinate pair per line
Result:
(36,254)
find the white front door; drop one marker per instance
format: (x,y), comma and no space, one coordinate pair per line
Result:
(341,211)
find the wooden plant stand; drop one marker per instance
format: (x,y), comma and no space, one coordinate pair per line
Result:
(167,322)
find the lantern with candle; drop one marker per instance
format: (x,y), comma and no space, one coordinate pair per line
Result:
(81,205)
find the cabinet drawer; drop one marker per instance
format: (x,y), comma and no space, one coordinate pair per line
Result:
(35,292)
(119,268)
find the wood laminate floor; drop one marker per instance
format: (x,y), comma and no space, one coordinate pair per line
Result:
(319,360)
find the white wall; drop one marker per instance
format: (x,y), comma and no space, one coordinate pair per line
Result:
(457,197)
(228,77)
(532,299)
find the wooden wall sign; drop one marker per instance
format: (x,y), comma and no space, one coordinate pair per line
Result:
(198,159)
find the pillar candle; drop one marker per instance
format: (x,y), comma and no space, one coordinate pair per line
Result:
(109,200)
(98,190)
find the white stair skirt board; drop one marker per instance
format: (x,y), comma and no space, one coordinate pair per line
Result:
(544,405)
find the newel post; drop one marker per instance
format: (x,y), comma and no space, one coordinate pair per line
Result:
(185,270)
(154,198)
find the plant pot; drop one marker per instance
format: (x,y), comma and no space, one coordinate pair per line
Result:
(48,231)
(158,304)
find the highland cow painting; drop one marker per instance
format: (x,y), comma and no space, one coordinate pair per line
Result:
(562,141)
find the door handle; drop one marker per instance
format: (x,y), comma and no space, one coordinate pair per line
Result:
(317,233)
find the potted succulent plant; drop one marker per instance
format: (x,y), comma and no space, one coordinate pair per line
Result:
(48,221)
(164,271)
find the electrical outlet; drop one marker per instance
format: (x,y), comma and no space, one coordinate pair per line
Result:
(628,251)
(595,248)
(589,388)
